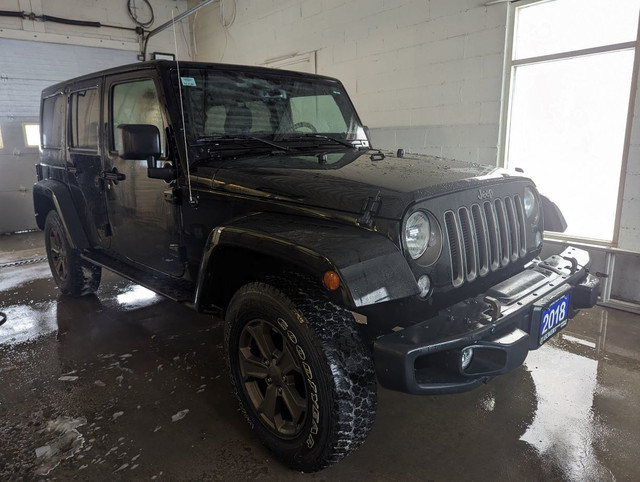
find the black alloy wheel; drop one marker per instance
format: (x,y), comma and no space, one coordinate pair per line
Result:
(58,254)
(73,275)
(303,376)
(273,377)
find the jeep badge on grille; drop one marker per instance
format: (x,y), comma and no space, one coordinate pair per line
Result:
(485,194)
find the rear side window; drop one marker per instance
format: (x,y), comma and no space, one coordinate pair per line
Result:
(84,116)
(136,103)
(52,121)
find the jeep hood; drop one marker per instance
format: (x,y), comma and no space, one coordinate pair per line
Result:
(348,184)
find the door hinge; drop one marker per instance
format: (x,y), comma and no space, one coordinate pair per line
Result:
(369,209)
(173,196)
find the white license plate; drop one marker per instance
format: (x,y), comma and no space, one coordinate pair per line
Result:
(554,318)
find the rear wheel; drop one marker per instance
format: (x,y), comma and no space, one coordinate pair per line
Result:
(73,275)
(303,376)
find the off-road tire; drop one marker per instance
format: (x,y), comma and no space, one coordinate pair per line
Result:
(340,380)
(73,275)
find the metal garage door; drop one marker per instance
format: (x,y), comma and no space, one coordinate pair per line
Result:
(25,69)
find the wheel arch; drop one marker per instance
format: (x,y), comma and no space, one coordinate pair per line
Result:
(371,268)
(229,265)
(51,195)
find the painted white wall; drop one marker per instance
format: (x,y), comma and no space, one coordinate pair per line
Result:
(424,75)
(111,12)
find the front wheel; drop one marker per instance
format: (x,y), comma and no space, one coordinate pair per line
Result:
(304,378)
(73,275)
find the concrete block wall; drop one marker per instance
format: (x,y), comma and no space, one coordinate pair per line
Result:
(111,12)
(626,285)
(425,75)
(630,217)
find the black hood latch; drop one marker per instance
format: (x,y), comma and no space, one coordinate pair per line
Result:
(370,208)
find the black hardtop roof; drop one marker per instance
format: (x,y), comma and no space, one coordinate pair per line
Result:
(166,65)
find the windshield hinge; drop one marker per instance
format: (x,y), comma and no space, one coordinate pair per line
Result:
(369,209)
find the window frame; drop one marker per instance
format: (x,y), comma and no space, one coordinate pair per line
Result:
(65,101)
(510,66)
(70,118)
(110,85)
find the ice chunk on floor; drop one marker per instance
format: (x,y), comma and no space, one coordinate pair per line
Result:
(180,415)
(67,443)
(68,378)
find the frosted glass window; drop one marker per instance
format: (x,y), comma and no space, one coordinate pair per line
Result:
(567,128)
(31,135)
(565,25)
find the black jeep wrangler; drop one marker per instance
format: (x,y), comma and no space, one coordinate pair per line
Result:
(254,194)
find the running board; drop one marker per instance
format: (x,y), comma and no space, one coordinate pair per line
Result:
(172,288)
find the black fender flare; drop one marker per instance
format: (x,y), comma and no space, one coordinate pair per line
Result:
(371,267)
(50,194)
(553,219)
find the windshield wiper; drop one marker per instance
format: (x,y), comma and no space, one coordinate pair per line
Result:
(319,136)
(237,138)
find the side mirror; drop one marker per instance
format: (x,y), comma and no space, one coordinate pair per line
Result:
(138,141)
(166,173)
(142,141)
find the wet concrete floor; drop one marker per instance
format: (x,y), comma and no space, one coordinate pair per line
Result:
(90,389)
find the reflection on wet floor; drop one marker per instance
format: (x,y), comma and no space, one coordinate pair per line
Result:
(562,429)
(128,385)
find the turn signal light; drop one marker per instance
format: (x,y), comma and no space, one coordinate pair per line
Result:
(331,280)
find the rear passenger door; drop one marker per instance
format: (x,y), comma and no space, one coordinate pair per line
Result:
(142,214)
(85,155)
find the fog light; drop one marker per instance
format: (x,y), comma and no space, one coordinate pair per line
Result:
(466,357)
(424,283)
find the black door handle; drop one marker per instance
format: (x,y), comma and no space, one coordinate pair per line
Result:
(113,175)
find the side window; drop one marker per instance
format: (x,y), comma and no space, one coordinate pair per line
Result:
(52,121)
(321,111)
(136,103)
(84,115)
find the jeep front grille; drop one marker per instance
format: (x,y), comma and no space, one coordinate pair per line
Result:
(484,238)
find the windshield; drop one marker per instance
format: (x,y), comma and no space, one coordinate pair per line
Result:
(264,105)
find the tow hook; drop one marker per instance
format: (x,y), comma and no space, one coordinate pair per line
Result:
(574,263)
(496,307)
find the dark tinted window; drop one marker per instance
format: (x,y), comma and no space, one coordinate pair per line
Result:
(52,121)
(84,113)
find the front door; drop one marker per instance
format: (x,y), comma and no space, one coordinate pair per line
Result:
(142,214)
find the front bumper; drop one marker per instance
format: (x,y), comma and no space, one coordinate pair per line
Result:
(501,326)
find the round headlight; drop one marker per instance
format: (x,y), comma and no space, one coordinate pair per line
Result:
(530,204)
(417,232)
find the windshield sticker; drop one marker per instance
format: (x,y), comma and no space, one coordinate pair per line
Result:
(188,81)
